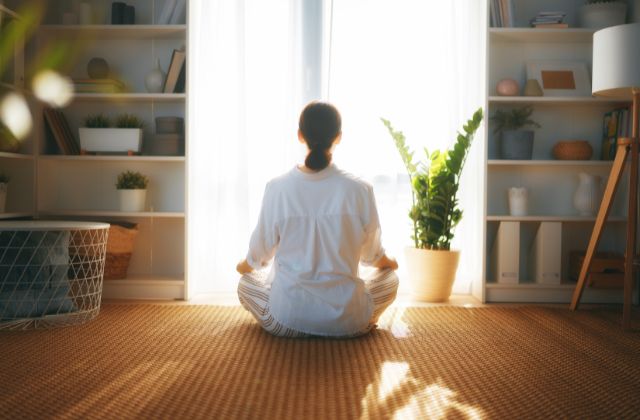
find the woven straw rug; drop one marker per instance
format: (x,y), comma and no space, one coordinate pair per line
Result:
(181,361)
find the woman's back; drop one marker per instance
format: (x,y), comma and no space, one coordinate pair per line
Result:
(324,223)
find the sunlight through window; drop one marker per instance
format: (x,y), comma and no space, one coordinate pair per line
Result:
(398,395)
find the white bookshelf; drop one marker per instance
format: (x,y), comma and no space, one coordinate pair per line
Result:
(82,187)
(20,165)
(551,183)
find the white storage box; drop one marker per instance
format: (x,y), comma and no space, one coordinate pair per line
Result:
(110,140)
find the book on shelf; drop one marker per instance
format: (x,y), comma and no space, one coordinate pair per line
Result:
(176,68)
(615,125)
(58,127)
(98,86)
(549,20)
(550,25)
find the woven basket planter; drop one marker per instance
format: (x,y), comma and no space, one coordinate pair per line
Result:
(119,250)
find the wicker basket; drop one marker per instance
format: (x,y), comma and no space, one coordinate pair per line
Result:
(119,249)
(572,150)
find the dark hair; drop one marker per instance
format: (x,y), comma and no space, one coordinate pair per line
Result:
(320,124)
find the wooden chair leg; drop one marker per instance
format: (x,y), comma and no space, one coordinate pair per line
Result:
(605,206)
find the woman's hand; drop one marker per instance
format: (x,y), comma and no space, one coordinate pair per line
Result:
(243,267)
(386,262)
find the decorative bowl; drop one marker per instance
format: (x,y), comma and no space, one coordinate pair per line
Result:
(572,150)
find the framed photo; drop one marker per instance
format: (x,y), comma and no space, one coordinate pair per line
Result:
(560,78)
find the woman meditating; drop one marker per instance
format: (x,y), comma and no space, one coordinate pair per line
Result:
(317,223)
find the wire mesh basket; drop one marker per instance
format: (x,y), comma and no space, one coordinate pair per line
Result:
(51,273)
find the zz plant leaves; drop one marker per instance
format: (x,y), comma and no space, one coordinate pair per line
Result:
(434,186)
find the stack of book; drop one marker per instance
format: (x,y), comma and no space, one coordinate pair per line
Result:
(98,86)
(549,20)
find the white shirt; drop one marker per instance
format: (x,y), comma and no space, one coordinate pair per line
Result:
(319,226)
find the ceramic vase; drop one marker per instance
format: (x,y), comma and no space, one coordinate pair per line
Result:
(154,81)
(518,201)
(586,198)
(532,88)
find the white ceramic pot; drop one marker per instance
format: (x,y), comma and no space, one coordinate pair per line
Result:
(518,201)
(132,200)
(431,273)
(603,15)
(154,80)
(110,140)
(3,196)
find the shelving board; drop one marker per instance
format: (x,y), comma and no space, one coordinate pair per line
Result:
(15,215)
(560,163)
(541,293)
(555,100)
(111,32)
(113,158)
(579,35)
(144,287)
(129,97)
(584,219)
(8,155)
(107,213)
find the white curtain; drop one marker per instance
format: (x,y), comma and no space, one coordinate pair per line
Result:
(419,64)
(250,72)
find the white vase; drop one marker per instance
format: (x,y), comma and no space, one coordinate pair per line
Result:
(518,201)
(132,200)
(154,81)
(3,196)
(431,273)
(586,198)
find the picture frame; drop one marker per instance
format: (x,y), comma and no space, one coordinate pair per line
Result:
(560,77)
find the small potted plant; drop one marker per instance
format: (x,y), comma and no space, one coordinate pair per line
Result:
(431,263)
(132,188)
(98,136)
(515,142)
(4,185)
(600,14)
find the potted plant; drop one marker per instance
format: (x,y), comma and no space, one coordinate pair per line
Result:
(600,14)
(97,135)
(132,188)
(4,185)
(431,263)
(515,143)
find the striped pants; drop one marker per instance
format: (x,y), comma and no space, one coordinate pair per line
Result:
(382,285)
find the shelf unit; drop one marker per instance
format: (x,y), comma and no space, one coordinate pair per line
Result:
(20,165)
(83,187)
(550,183)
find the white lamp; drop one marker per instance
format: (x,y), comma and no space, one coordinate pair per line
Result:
(616,74)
